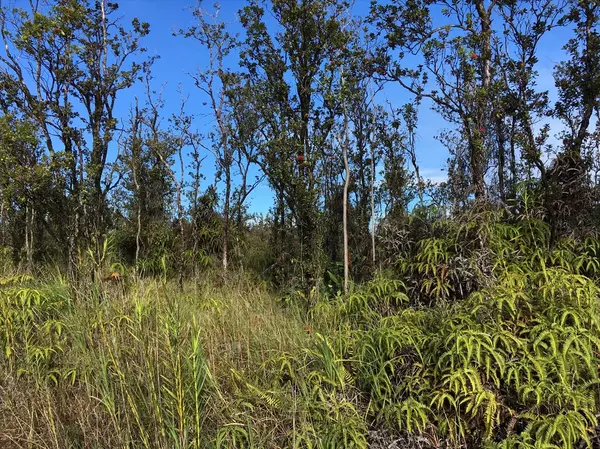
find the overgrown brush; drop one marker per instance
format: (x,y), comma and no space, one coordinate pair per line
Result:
(510,362)
(514,365)
(485,337)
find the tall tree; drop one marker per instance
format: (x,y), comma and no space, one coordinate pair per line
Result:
(213,81)
(292,70)
(64,65)
(233,142)
(344,140)
(578,78)
(578,83)
(148,188)
(454,68)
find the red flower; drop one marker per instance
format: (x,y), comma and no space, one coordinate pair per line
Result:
(300,158)
(482,130)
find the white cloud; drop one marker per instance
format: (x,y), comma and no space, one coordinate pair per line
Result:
(435,175)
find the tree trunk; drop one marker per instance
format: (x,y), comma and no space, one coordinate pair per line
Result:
(180,256)
(589,95)
(513,159)
(28,236)
(139,216)
(2,222)
(372,188)
(501,156)
(477,141)
(345,204)
(226,215)
(135,159)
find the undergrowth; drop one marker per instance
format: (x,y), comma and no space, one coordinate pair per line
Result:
(483,336)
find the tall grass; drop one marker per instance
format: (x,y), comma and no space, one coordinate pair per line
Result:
(149,368)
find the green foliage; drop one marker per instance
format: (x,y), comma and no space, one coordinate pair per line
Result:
(512,364)
(379,297)
(515,364)
(444,261)
(31,330)
(481,328)
(160,379)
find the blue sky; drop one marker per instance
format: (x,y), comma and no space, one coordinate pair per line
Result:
(179,56)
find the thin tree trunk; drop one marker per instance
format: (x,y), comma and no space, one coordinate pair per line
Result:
(28,237)
(194,217)
(139,217)
(415,164)
(501,156)
(345,204)
(180,186)
(2,222)
(134,163)
(27,234)
(372,186)
(31,242)
(138,234)
(477,141)
(182,249)
(513,159)
(373,205)
(226,216)
(281,229)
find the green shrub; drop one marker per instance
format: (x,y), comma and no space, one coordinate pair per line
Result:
(514,365)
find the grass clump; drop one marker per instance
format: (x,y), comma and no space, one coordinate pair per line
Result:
(148,369)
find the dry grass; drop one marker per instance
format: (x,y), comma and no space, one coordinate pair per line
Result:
(145,367)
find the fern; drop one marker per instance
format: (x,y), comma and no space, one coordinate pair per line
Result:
(528,342)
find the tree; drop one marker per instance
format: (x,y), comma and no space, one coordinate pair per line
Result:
(578,83)
(27,190)
(578,78)
(64,66)
(214,81)
(359,94)
(168,147)
(396,145)
(296,112)
(455,66)
(344,140)
(233,139)
(245,140)
(520,106)
(148,187)
(133,147)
